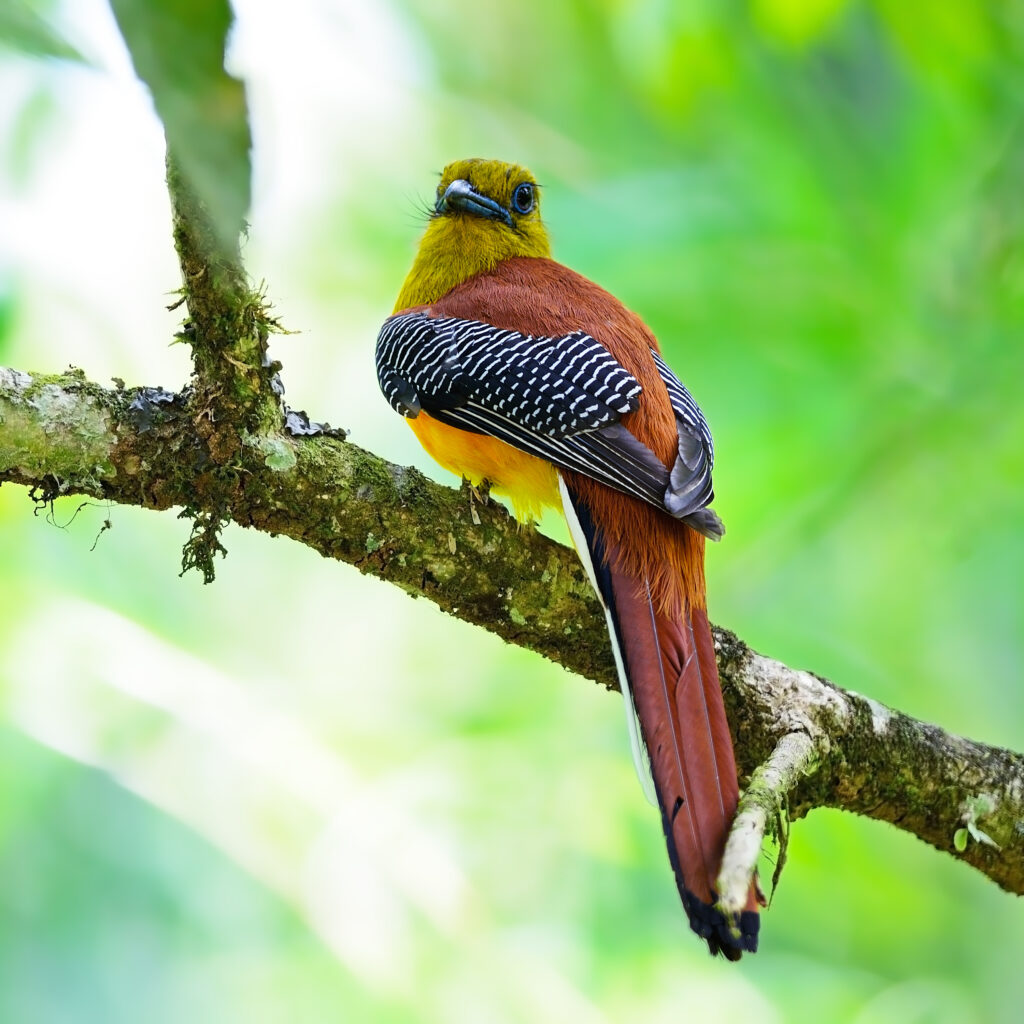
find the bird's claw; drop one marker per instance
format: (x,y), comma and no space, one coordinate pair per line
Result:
(478,493)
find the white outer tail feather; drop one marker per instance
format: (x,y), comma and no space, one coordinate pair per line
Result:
(637,747)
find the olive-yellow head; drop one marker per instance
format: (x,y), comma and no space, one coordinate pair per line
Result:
(486,211)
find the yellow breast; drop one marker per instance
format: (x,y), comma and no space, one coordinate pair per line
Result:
(529,482)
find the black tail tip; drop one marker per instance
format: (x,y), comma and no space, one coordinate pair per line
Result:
(732,938)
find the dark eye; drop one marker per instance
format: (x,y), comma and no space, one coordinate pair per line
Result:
(523,198)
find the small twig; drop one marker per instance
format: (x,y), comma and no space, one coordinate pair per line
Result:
(794,756)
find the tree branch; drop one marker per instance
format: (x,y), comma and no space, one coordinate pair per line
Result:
(801,741)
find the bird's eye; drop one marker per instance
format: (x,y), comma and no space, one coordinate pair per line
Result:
(523,198)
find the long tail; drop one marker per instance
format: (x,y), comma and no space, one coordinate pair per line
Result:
(667,666)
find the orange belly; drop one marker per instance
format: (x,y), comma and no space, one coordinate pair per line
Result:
(530,483)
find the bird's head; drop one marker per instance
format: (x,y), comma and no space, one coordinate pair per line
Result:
(491,196)
(486,211)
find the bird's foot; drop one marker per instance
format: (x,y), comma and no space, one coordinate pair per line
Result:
(478,494)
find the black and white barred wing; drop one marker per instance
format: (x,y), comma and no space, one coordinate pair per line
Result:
(560,399)
(554,386)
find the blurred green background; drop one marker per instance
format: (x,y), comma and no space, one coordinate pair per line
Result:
(298,795)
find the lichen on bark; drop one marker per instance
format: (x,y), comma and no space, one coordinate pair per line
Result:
(51,427)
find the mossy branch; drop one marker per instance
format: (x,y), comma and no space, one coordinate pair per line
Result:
(65,435)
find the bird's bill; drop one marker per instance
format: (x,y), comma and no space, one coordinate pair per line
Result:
(461,196)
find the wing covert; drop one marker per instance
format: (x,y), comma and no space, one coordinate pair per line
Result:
(555,386)
(690,488)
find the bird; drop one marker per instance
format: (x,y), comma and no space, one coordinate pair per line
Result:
(519,374)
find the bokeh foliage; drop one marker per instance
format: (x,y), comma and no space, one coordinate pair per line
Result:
(818,207)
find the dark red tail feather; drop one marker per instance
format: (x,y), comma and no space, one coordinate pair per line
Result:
(669,658)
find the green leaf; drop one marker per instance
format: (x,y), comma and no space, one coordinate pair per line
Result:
(177,47)
(25,30)
(960,840)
